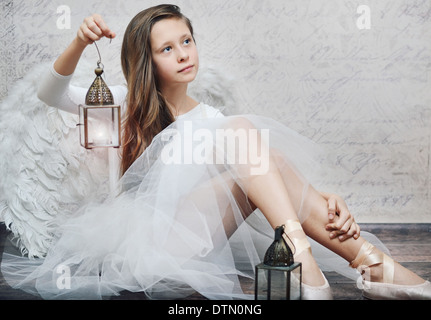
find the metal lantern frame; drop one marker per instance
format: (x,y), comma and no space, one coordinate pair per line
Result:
(112,138)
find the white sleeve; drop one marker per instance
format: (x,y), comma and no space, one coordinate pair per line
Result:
(56,91)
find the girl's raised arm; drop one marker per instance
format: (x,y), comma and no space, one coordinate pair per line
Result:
(55,89)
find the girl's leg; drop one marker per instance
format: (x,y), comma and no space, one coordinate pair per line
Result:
(266,190)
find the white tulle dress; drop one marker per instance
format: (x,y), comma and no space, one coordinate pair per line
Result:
(180,222)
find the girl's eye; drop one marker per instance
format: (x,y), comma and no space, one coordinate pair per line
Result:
(167,49)
(187,41)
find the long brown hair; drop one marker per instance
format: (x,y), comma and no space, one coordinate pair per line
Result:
(147,112)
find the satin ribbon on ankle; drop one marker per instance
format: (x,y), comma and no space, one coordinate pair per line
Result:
(300,245)
(366,259)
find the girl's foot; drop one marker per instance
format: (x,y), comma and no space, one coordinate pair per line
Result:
(383,278)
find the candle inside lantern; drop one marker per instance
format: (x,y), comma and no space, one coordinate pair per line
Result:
(101,134)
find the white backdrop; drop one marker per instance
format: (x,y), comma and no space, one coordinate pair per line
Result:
(355,83)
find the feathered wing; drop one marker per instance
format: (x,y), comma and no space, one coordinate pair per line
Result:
(45,172)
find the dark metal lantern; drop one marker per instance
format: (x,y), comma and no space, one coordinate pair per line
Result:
(278,277)
(99,118)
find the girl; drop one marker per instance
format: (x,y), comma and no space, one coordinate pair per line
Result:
(178,226)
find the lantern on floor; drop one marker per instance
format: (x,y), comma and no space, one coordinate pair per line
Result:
(278,277)
(99,118)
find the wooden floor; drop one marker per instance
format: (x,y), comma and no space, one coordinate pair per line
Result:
(409,244)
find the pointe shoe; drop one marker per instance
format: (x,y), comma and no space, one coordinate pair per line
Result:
(386,290)
(299,246)
(316,293)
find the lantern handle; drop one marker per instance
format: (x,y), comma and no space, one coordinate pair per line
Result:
(99,63)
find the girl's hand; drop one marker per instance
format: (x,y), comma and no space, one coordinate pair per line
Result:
(341,222)
(93,29)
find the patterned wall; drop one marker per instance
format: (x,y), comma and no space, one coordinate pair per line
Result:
(351,75)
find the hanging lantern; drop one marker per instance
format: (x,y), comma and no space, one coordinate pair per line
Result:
(278,277)
(99,118)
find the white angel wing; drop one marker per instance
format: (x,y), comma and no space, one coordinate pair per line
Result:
(45,172)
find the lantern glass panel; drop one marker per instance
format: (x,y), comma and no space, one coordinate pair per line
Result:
(100,126)
(278,283)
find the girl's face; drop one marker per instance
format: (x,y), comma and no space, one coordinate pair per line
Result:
(174,52)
